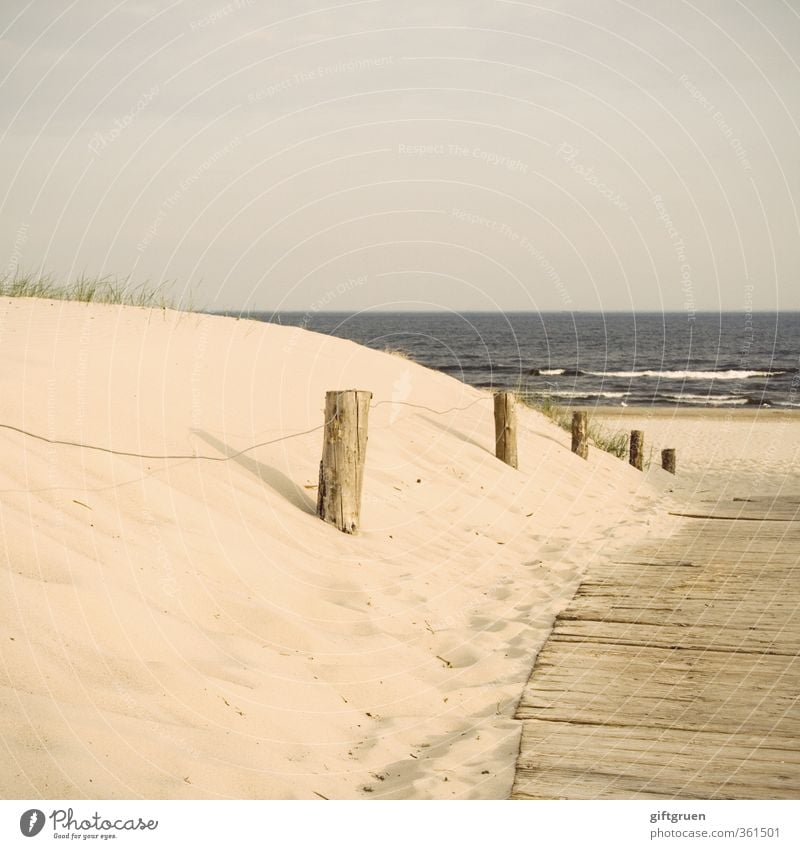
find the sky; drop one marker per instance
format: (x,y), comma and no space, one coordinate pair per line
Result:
(407,154)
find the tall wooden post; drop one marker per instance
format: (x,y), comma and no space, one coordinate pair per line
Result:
(637,449)
(341,470)
(505,428)
(580,434)
(668,461)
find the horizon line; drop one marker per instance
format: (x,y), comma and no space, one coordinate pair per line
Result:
(506,312)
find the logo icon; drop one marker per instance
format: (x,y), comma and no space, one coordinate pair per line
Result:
(31,822)
(401,389)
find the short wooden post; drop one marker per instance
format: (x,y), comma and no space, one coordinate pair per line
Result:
(637,449)
(580,434)
(505,428)
(668,460)
(341,470)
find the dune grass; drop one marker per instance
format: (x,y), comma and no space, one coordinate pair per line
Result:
(396,352)
(90,290)
(612,441)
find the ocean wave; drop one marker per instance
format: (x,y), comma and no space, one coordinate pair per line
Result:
(477,368)
(688,396)
(695,400)
(556,372)
(732,402)
(676,374)
(564,393)
(732,374)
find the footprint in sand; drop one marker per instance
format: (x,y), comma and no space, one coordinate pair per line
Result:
(484,623)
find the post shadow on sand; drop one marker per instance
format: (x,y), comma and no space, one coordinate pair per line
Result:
(277,480)
(460,434)
(488,447)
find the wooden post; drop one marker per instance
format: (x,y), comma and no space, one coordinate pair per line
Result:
(505,428)
(341,470)
(668,460)
(580,434)
(637,449)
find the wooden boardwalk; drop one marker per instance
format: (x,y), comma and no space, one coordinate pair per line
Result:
(674,672)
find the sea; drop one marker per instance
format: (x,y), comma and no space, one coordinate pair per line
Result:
(593,359)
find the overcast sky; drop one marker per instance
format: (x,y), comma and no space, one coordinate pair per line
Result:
(408,154)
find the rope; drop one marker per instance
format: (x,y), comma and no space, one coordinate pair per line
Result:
(120,453)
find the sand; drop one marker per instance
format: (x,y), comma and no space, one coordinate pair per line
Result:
(188,628)
(721,453)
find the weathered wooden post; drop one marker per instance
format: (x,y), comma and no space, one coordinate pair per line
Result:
(505,428)
(580,434)
(341,470)
(668,460)
(637,449)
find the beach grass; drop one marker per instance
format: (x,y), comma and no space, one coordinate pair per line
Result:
(612,441)
(91,290)
(397,352)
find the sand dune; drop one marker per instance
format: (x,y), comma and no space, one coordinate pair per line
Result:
(187,628)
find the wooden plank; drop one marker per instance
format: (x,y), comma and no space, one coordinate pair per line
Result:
(741,552)
(674,671)
(680,609)
(661,688)
(790,497)
(573,761)
(733,515)
(774,640)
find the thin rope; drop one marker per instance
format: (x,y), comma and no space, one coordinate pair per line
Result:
(120,453)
